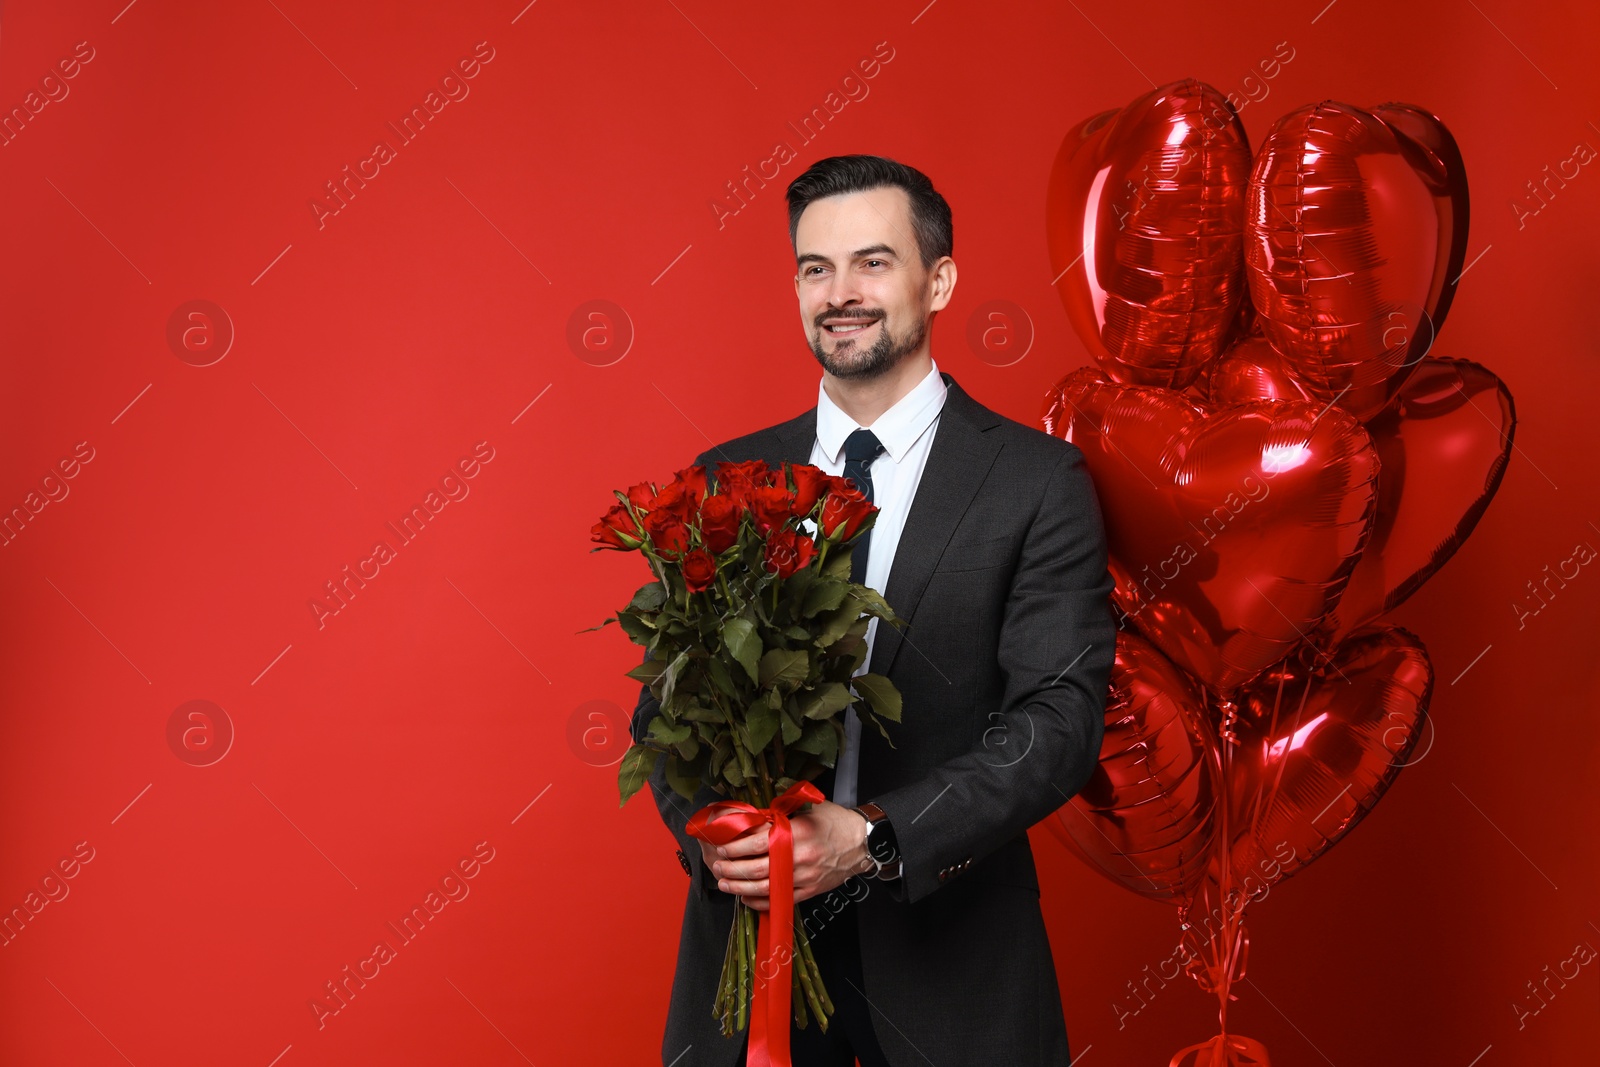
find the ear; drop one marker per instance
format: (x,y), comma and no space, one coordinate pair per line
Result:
(942,283)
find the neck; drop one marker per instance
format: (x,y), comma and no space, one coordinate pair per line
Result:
(865,399)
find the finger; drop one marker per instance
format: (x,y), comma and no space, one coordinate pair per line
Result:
(758,903)
(746,869)
(753,843)
(743,887)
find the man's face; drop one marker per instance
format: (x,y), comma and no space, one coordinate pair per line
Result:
(865,299)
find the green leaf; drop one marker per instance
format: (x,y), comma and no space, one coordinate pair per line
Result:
(739,638)
(781,665)
(823,596)
(649,597)
(870,600)
(797,633)
(666,733)
(721,753)
(838,565)
(761,724)
(821,739)
(648,671)
(826,701)
(836,622)
(671,676)
(638,631)
(880,694)
(791,728)
(721,678)
(635,768)
(696,713)
(686,785)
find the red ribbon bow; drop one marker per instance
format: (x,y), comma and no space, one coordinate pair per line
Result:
(722,822)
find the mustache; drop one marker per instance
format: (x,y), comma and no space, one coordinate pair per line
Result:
(871,316)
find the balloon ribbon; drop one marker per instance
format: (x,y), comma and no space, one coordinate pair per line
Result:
(722,822)
(1224,1050)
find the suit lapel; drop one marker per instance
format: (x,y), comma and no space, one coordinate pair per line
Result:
(958,461)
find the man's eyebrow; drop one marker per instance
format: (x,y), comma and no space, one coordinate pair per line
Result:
(870,250)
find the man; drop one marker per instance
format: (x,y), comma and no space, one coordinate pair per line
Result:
(989,541)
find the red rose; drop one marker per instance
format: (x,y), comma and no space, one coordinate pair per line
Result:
(617,529)
(667,533)
(741,480)
(788,551)
(770,507)
(844,487)
(695,478)
(643,495)
(843,514)
(699,570)
(809,485)
(719,522)
(683,494)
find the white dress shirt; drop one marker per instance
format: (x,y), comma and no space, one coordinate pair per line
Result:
(906,431)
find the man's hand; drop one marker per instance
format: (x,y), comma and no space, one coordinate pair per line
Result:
(830,845)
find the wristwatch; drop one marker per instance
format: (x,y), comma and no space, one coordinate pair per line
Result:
(882,846)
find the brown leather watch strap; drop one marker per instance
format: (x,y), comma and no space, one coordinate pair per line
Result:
(873,813)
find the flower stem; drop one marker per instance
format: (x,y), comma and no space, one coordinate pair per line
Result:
(746,952)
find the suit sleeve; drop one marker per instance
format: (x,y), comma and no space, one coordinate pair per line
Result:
(1056,644)
(675,810)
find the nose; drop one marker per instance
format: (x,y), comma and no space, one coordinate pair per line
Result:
(842,296)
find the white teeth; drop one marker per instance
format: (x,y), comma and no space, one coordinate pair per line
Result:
(848,329)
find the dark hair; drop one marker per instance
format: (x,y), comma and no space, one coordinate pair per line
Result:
(930,215)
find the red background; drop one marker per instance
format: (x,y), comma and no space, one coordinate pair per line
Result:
(447,702)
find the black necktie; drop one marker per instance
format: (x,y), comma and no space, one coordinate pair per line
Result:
(860,449)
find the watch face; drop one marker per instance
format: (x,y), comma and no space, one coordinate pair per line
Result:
(881,842)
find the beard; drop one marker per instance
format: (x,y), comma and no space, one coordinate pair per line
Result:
(850,360)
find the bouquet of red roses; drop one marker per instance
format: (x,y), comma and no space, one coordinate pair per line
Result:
(754,632)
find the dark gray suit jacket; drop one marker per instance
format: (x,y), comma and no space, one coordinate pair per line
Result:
(1004,666)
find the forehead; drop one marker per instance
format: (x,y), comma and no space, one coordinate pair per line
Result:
(834,226)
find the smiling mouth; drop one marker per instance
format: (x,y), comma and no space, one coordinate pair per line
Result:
(846,329)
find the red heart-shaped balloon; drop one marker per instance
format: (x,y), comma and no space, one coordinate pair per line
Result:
(1318,747)
(1231,534)
(1250,369)
(1145,819)
(1444,445)
(1351,226)
(1145,222)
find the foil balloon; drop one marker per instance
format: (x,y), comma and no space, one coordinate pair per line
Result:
(1232,534)
(1351,225)
(1444,445)
(1145,818)
(1145,220)
(1437,159)
(1250,369)
(1318,747)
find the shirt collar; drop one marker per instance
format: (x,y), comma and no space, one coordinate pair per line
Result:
(898,428)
